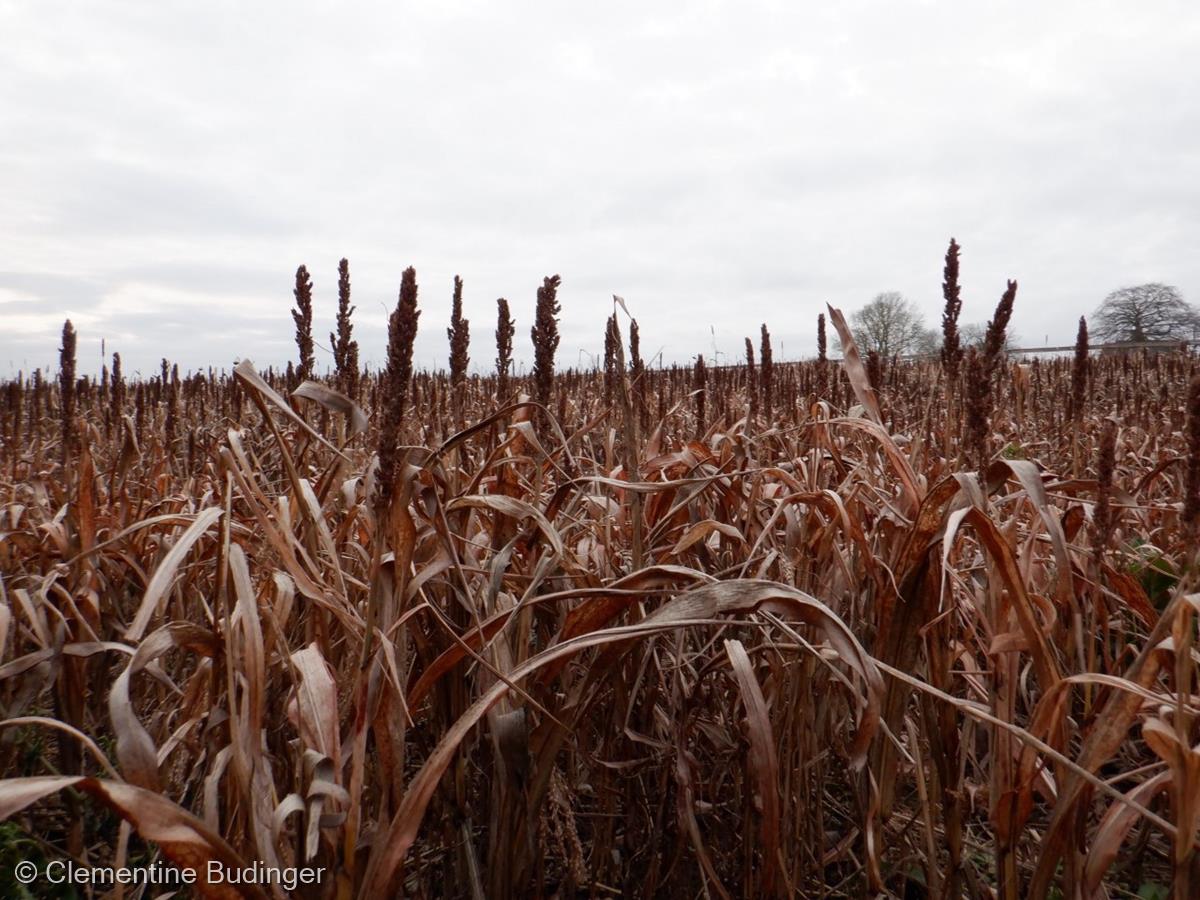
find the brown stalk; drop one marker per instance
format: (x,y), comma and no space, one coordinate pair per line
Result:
(611,338)
(345,348)
(996,337)
(1191,482)
(459,334)
(302,315)
(640,379)
(952,352)
(767,374)
(978,404)
(751,383)
(631,440)
(397,378)
(505,329)
(544,334)
(1079,378)
(66,368)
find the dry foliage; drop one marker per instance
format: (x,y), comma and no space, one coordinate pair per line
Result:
(786,636)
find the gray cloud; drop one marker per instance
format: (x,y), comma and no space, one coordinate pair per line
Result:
(166,169)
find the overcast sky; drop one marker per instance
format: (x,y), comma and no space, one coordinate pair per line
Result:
(164,167)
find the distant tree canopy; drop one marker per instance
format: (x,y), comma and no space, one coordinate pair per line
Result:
(973,333)
(892,326)
(1147,312)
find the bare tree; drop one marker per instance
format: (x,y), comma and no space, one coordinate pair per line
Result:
(929,343)
(891,326)
(1147,312)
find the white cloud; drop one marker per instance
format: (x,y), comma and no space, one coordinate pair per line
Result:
(165,167)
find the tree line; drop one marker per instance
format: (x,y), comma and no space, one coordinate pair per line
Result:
(892,325)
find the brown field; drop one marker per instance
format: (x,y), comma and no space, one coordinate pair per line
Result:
(839,630)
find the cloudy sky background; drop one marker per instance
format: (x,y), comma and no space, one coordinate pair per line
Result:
(164,167)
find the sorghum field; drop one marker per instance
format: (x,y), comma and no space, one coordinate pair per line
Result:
(847,628)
